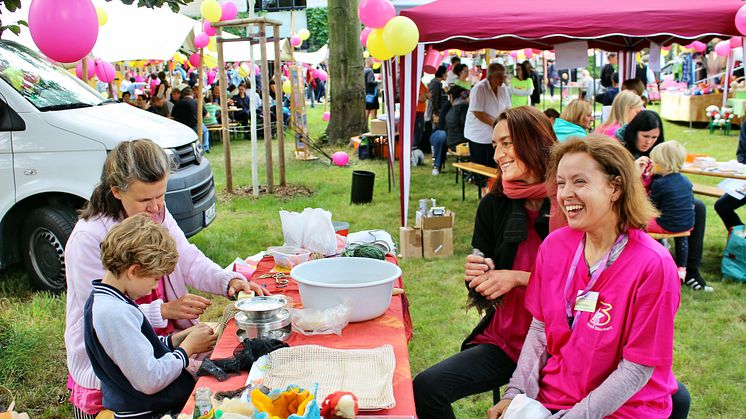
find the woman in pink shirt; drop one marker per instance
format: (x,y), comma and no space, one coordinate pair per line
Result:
(133,181)
(603,296)
(510,224)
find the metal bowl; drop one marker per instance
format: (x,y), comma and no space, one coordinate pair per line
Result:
(278,327)
(261,308)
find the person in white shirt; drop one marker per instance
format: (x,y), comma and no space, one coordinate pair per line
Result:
(451,77)
(488,99)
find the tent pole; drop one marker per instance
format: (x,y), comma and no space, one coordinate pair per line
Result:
(278,105)
(593,98)
(252,111)
(224,114)
(267,123)
(199,96)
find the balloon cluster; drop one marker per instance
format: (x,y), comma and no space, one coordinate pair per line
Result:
(297,38)
(385,34)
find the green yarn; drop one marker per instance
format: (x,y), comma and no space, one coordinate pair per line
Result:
(369,251)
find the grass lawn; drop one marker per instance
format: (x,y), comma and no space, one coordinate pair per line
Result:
(710,328)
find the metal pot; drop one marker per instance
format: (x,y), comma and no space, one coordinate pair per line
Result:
(278,327)
(261,308)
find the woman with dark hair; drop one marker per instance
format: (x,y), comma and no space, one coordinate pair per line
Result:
(163,88)
(511,222)
(521,87)
(639,137)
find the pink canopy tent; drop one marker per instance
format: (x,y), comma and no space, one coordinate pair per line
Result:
(470,25)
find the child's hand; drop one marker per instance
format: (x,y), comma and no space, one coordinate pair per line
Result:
(200,339)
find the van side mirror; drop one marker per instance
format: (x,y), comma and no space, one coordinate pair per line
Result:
(9,119)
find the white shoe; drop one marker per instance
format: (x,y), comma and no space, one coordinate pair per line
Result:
(436,172)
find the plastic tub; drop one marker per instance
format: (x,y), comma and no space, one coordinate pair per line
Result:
(288,256)
(365,283)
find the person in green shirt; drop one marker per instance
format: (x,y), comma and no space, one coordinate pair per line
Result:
(521,88)
(212,109)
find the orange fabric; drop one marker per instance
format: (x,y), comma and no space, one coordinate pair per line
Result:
(422,99)
(393,327)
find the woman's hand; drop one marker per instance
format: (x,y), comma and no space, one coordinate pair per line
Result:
(201,338)
(476,266)
(495,283)
(236,285)
(187,307)
(644,164)
(497,411)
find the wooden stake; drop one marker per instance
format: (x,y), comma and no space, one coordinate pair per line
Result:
(224,116)
(199,96)
(84,62)
(266,107)
(278,105)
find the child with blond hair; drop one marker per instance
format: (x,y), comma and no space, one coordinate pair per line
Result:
(671,193)
(142,375)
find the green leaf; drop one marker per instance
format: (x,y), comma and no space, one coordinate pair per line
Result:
(14,28)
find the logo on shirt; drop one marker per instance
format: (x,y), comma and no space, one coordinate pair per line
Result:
(601,318)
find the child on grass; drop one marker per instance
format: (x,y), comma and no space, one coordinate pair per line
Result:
(142,375)
(671,192)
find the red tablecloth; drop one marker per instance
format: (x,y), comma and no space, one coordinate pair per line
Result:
(394,327)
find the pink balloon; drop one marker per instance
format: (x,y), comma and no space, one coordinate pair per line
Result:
(514,54)
(740,20)
(322,75)
(315,74)
(528,52)
(211,76)
(208,29)
(326,116)
(698,46)
(105,71)
(375,13)
(364,36)
(736,42)
(201,40)
(295,41)
(230,11)
(64,31)
(91,69)
(723,48)
(194,59)
(340,158)
(666,48)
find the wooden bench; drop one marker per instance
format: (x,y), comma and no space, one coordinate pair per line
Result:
(707,190)
(662,236)
(461,154)
(477,169)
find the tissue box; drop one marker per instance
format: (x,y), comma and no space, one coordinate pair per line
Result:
(437,243)
(429,223)
(378,127)
(410,240)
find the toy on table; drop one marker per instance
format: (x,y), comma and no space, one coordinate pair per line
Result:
(720,118)
(340,405)
(293,403)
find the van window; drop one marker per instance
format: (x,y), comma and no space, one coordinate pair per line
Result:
(46,85)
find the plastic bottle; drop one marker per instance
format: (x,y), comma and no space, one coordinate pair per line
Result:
(203,403)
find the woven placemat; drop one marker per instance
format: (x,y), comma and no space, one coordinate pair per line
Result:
(368,373)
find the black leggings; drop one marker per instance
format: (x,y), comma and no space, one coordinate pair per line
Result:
(726,207)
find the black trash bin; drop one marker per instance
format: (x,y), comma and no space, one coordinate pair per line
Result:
(362,186)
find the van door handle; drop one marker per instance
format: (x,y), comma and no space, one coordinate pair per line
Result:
(30,172)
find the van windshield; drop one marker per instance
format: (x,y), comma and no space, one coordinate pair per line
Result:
(46,85)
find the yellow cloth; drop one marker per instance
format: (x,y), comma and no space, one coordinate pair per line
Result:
(291,401)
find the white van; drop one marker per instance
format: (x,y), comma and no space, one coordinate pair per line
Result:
(55,132)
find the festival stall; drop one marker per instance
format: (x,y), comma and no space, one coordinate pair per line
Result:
(474,24)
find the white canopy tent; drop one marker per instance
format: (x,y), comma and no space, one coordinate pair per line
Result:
(313,58)
(131,33)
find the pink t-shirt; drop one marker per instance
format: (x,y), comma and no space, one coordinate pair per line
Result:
(634,320)
(509,325)
(610,130)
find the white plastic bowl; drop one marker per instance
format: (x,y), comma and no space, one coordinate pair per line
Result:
(366,283)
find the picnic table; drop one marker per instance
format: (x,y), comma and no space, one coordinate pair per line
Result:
(394,327)
(720,169)
(477,169)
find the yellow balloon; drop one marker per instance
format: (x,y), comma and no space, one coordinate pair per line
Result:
(400,35)
(243,70)
(212,45)
(376,65)
(304,34)
(211,10)
(377,47)
(102,16)
(286,87)
(366,54)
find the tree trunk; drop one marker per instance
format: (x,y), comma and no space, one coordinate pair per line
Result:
(345,72)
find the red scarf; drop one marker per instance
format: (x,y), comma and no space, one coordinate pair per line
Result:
(523,190)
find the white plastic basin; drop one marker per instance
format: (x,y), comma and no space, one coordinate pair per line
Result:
(365,283)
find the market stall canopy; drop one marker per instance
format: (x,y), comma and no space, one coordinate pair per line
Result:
(131,33)
(620,25)
(313,58)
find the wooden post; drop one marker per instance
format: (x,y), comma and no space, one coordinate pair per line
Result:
(224,116)
(84,72)
(199,96)
(266,107)
(278,105)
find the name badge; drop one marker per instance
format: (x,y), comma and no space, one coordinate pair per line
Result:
(586,302)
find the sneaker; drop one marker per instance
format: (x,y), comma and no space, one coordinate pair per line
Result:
(697,283)
(436,172)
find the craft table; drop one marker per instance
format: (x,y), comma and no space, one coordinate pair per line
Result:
(691,169)
(394,327)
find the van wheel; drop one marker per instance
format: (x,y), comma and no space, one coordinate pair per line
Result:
(43,239)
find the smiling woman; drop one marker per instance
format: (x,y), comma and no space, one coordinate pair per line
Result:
(606,346)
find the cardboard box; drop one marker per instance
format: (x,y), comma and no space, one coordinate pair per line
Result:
(437,243)
(410,240)
(430,223)
(378,127)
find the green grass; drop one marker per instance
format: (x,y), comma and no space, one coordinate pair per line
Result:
(710,328)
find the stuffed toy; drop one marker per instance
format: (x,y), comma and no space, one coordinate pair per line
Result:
(339,405)
(293,403)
